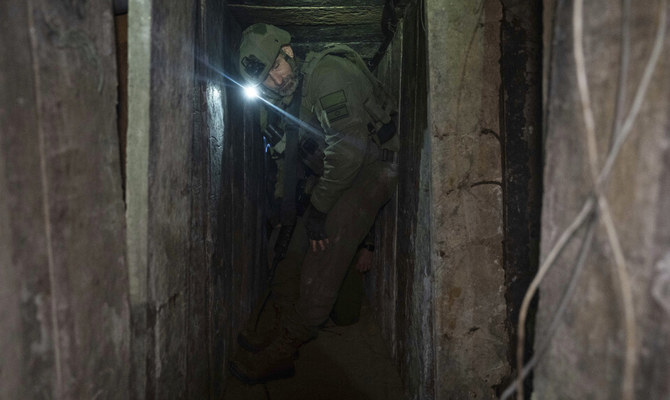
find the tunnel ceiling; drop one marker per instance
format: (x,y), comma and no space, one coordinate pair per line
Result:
(361,24)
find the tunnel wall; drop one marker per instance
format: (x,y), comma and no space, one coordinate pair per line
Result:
(160,133)
(400,286)
(586,356)
(239,269)
(64,307)
(194,190)
(466,219)
(440,289)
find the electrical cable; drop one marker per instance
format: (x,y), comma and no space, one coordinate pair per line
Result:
(567,295)
(589,205)
(641,92)
(624,57)
(587,209)
(628,381)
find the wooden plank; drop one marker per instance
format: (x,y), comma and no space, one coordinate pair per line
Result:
(366,50)
(121,24)
(170,187)
(137,200)
(62,196)
(311,3)
(291,15)
(335,33)
(22,235)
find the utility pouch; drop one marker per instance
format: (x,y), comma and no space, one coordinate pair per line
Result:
(386,132)
(377,111)
(382,128)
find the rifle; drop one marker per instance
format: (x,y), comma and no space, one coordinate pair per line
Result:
(284,239)
(280,250)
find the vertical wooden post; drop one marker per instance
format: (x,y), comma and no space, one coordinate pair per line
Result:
(63,279)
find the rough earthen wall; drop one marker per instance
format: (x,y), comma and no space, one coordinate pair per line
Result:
(441,286)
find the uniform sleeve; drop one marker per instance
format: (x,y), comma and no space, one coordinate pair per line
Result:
(338,90)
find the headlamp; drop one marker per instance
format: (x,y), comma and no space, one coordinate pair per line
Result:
(251,92)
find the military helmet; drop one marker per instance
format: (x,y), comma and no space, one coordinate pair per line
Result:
(259,47)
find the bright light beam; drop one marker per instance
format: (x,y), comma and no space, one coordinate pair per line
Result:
(295,120)
(251,92)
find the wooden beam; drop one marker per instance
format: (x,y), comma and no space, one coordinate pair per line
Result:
(295,15)
(310,3)
(335,33)
(367,50)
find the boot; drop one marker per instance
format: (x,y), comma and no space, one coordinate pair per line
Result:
(273,362)
(261,329)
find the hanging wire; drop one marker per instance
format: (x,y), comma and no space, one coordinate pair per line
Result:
(563,240)
(592,151)
(589,208)
(565,300)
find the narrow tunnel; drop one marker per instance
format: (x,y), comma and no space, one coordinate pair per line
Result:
(528,230)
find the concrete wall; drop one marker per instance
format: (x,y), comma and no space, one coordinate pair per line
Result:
(586,358)
(466,195)
(64,308)
(440,289)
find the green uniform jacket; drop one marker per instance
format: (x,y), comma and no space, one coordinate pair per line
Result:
(346,101)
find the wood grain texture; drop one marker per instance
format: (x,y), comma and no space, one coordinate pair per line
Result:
(63,192)
(301,15)
(592,328)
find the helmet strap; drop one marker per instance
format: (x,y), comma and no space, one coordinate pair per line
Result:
(290,60)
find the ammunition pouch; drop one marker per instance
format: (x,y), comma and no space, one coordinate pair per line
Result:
(383,128)
(383,134)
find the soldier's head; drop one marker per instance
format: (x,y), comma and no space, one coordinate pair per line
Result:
(266,58)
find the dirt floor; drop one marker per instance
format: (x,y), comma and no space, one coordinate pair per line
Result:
(343,363)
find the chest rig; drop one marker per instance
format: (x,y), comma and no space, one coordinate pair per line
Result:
(379,106)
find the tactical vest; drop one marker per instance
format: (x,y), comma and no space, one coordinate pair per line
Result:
(380,107)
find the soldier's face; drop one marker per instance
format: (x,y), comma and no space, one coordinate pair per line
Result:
(281,78)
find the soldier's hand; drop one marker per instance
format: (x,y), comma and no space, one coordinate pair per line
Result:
(319,244)
(315,222)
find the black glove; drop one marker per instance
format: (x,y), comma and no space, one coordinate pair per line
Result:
(315,222)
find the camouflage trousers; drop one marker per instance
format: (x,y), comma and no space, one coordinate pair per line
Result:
(321,273)
(285,288)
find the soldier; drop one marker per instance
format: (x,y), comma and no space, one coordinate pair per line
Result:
(334,90)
